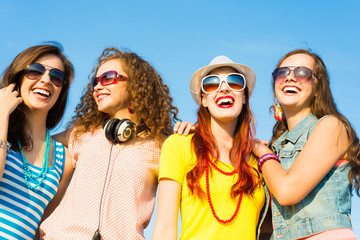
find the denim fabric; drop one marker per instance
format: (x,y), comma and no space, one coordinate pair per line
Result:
(264,210)
(326,207)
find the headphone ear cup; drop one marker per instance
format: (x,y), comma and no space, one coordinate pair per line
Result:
(124,130)
(109,128)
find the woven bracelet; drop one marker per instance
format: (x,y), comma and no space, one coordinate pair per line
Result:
(264,158)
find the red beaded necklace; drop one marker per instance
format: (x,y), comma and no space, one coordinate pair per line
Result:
(221,171)
(209,197)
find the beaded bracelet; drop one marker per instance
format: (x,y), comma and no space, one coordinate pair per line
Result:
(264,158)
(5,144)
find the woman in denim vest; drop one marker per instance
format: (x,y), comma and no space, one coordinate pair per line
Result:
(317,154)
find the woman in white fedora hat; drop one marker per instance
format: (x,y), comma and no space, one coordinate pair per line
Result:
(211,174)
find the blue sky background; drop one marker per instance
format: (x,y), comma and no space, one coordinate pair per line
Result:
(178,37)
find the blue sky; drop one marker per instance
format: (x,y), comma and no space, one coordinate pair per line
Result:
(178,37)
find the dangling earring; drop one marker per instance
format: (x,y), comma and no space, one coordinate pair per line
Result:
(278,112)
(131,111)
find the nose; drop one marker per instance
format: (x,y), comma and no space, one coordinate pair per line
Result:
(45,78)
(291,76)
(224,87)
(97,86)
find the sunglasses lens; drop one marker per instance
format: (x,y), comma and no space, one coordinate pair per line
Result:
(108,78)
(57,77)
(94,82)
(210,84)
(34,71)
(280,74)
(235,81)
(303,74)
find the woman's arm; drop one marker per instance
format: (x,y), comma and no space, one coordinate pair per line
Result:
(326,145)
(9,100)
(167,210)
(63,184)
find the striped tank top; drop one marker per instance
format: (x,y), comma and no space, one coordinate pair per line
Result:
(21,208)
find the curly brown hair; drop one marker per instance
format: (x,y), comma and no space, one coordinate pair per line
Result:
(324,104)
(19,129)
(149,96)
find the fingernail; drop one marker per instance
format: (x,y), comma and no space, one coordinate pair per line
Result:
(185,133)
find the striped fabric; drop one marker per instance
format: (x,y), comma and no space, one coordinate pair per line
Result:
(21,209)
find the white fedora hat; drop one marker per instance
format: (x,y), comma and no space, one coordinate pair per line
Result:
(220,61)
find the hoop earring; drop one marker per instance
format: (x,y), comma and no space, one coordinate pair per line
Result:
(131,111)
(278,112)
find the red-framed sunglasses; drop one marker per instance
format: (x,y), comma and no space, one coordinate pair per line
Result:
(107,78)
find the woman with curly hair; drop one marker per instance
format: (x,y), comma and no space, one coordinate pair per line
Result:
(317,154)
(211,174)
(115,138)
(34,168)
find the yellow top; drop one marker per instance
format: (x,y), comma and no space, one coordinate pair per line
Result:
(177,158)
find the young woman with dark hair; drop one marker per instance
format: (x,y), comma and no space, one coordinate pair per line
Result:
(34,169)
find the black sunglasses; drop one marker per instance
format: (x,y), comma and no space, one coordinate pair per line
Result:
(36,70)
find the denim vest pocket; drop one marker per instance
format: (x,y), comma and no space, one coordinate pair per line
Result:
(289,153)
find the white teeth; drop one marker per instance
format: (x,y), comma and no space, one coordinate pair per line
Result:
(291,89)
(225,101)
(42,92)
(102,96)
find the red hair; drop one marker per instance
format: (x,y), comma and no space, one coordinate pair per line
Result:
(203,144)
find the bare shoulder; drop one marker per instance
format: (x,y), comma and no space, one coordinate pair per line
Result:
(331,125)
(331,133)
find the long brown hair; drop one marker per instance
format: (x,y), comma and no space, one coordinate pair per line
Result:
(323,104)
(203,144)
(149,96)
(19,129)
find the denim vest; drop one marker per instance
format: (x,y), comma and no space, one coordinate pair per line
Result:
(264,211)
(326,207)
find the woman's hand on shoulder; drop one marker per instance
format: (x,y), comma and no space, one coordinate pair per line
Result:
(260,147)
(184,128)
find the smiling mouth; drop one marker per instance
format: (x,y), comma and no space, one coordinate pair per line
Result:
(291,90)
(42,92)
(225,102)
(102,96)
